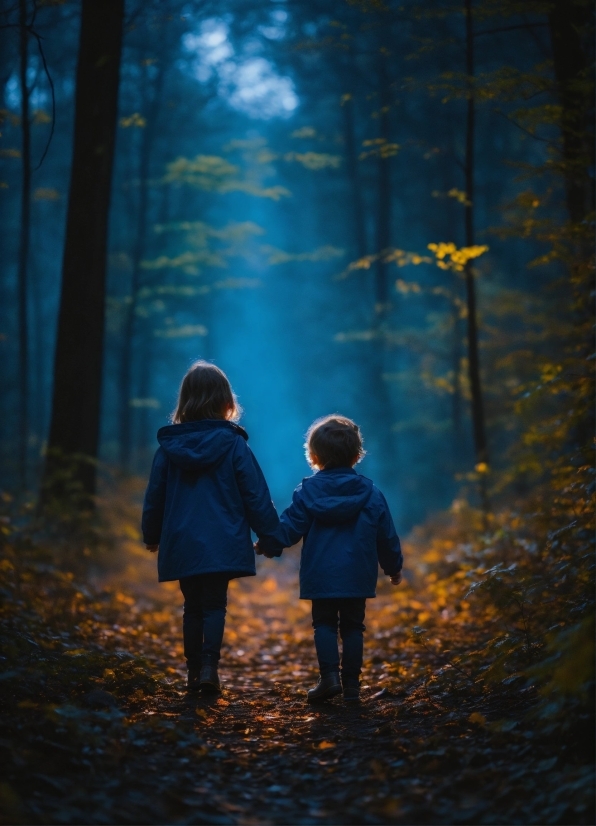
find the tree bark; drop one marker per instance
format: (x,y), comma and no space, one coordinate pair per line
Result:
(383,234)
(358,235)
(74,431)
(24,245)
(144,442)
(478,421)
(565,22)
(456,400)
(129,329)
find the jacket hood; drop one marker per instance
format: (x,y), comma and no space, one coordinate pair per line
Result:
(201,445)
(337,495)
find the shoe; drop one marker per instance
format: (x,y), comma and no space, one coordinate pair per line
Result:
(351,693)
(193,680)
(208,679)
(329,686)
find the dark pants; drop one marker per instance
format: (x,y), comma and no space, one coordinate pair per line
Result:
(205,600)
(348,613)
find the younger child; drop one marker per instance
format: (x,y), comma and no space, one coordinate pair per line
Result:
(206,491)
(347,530)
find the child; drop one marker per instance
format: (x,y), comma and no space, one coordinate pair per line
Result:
(206,491)
(347,530)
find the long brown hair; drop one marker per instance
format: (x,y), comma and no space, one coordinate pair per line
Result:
(205,393)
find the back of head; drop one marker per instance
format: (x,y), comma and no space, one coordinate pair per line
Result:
(205,393)
(333,441)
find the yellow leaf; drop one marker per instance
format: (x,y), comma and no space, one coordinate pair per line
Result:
(314,160)
(39,116)
(46,194)
(326,744)
(133,120)
(477,718)
(304,132)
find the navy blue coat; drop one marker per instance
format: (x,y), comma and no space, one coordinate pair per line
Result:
(206,491)
(347,530)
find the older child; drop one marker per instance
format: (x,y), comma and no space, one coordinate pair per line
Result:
(206,491)
(348,531)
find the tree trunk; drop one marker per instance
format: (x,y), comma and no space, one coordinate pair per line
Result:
(358,235)
(145,434)
(384,441)
(24,245)
(147,139)
(456,411)
(478,422)
(565,21)
(74,431)
(383,234)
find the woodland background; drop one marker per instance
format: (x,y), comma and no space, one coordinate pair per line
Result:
(382,209)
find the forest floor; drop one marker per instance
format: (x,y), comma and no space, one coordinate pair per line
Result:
(97,726)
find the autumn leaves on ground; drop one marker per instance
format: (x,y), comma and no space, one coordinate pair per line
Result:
(470,713)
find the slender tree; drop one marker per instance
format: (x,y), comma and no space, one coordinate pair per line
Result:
(24,245)
(74,431)
(478,420)
(566,20)
(146,145)
(358,234)
(383,227)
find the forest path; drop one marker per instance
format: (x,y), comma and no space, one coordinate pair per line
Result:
(269,757)
(97,725)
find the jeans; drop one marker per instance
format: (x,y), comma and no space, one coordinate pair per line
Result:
(349,614)
(205,600)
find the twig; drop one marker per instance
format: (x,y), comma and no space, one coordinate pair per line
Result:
(510,28)
(51,83)
(523,129)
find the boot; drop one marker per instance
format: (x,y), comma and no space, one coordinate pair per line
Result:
(208,680)
(327,687)
(193,679)
(351,692)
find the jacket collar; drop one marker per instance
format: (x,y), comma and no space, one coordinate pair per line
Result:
(205,424)
(346,469)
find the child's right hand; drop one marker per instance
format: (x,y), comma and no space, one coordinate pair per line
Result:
(260,552)
(395,580)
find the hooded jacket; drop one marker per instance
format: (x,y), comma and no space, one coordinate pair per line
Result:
(205,493)
(347,530)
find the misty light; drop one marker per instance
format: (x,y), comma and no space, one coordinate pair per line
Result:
(249,83)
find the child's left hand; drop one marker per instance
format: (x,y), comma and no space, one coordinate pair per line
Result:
(260,552)
(153,548)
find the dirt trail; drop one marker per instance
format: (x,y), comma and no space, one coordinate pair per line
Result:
(98,726)
(275,759)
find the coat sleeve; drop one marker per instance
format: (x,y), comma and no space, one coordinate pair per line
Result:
(260,510)
(294,523)
(155,499)
(388,544)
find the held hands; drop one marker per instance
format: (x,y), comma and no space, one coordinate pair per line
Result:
(260,552)
(395,580)
(152,548)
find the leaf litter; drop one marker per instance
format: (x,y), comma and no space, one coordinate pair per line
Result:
(97,726)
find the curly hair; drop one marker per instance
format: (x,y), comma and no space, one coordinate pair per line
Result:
(333,441)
